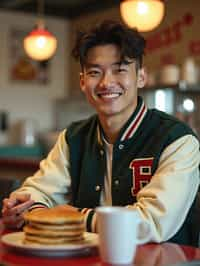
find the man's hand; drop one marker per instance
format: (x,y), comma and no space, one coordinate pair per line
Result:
(14,208)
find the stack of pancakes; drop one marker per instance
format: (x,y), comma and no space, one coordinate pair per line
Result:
(58,225)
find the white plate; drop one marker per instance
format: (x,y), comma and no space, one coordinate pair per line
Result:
(15,242)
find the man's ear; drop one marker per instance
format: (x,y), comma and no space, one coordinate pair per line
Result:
(82,82)
(142,78)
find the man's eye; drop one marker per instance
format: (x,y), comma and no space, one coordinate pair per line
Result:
(93,73)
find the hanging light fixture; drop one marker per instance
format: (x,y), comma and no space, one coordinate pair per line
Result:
(145,15)
(40,44)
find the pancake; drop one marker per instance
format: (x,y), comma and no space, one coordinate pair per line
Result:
(30,239)
(57,227)
(56,215)
(46,232)
(54,226)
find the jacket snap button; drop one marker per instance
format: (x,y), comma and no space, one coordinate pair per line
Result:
(116,182)
(97,188)
(121,146)
(101,152)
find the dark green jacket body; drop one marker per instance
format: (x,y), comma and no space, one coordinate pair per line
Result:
(145,136)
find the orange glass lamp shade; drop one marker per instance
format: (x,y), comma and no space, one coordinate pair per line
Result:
(145,15)
(40,44)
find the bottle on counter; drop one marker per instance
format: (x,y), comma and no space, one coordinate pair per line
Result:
(170,74)
(189,71)
(27,134)
(23,132)
(3,127)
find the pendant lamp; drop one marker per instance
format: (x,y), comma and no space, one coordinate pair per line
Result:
(145,15)
(40,44)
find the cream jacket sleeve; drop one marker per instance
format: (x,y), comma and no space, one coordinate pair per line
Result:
(50,184)
(166,200)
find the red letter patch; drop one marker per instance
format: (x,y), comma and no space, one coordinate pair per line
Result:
(142,172)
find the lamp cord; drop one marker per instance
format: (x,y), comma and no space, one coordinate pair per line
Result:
(41,13)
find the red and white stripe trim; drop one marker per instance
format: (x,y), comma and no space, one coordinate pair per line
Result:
(94,223)
(37,206)
(86,212)
(135,123)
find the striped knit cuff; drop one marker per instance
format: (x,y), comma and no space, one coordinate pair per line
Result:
(37,205)
(90,219)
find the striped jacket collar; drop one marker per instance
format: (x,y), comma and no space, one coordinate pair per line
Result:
(132,124)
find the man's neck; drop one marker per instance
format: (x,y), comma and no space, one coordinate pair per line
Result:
(111,127)
(113,124)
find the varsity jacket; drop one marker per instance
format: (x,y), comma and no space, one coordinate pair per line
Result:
(155,171)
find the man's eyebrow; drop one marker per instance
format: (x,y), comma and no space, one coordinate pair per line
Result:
(123,62)
(88,65)
(118,63)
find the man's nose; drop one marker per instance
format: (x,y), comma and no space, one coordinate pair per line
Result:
(107,80)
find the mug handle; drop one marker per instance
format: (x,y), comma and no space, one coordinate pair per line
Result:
(146,232)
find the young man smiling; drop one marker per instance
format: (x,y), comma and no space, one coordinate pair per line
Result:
(125,155)
(110,84)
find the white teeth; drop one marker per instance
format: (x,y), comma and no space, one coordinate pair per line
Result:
(110,95)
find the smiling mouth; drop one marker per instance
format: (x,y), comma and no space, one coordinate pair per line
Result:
(109,95)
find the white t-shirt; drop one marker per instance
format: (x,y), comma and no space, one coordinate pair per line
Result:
(106,195)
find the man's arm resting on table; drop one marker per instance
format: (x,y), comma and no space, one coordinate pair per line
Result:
(166,200)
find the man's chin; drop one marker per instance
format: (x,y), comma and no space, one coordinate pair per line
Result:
(108,113)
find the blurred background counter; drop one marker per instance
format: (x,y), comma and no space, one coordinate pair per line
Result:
(19,161)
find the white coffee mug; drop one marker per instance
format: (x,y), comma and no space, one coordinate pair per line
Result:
(119,230)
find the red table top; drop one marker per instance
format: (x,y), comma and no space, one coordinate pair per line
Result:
(147,255)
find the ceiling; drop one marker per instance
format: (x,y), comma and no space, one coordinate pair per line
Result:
(59,8)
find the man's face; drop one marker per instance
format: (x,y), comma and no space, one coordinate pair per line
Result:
(109,84)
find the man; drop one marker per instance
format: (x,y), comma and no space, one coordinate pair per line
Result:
(125,155)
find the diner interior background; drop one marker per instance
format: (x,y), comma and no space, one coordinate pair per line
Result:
(40,99)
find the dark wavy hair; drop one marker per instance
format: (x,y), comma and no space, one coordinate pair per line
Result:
(129,41)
